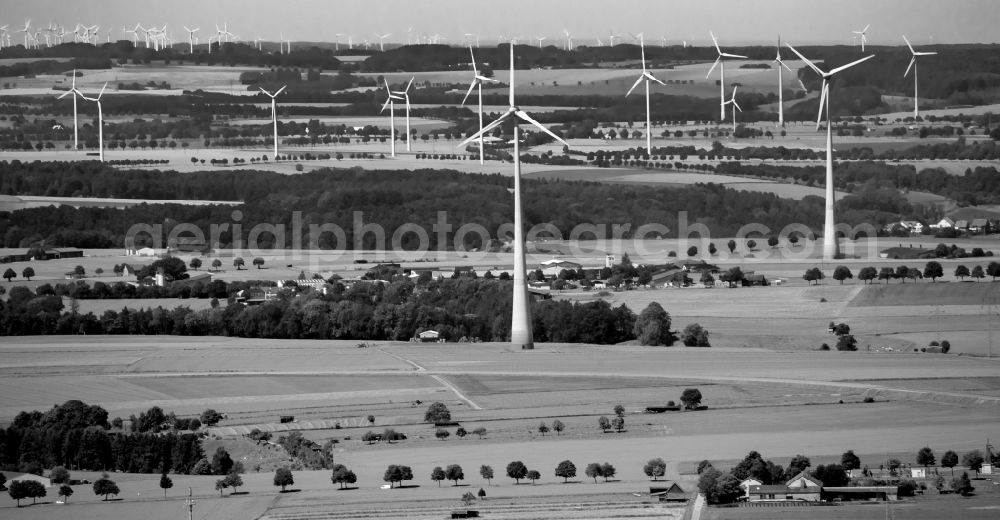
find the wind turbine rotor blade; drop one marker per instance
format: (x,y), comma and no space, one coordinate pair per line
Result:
(511,93)
(653,78)
(408,84)
(472,86)
(64,94)
(487,128)
(865,29)
(636,84)
(737,105)
(386,83)
(849,65)
(803,58)
(822,101)
(526,117)
(910,66)
(924,53)
(387,101)
(101,93)
(726,54)
(908,43)
(280,90)
(786,66)
(716,42)
(484,78)
(713,67)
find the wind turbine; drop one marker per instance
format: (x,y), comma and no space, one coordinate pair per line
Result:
(569,39)
(781,102)
(520,333)
(27,27)
(406,96)
(736,107)
(645,77)
(191,37)
(829,229)
(100,121)
(75,92)
(861,34)
(3,32)
(477,83)
(274,116)
(540,40)
(722,74)
(913,64)
(392,115)
(381,40)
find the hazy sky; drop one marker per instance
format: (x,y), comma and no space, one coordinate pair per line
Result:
(734,21)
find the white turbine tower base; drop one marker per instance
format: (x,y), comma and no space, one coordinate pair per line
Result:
(477,83)
(74,92)
(390,102)
(645,77)
(830,250)
(406,96)
(913,64)
(100,121)
(274,116)
(520,323)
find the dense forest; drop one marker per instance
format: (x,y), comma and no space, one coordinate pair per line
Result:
(78,436)
(388,198)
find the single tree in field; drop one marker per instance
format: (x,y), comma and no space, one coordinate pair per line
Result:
(652,326)
(238,263)
(619,424)
(220,485)
(28,272)
(437,413)
(480,431)
(233,480)
(751,244)
(437,475)
(283,477)
(772,241)
(607,471)
(992,269)
(694,335)
(517,470)
(732,246)
(105,486)
(961,272)
(18,490)
(977,273)
(558,426)
(925,457)
(222,462)
(841,273)
(487,473)
(99,271)
(341,475)
(619,410)
(813,274)
(165,483)
(886,273)
(604,423)
(973,460)
(692,251)
(655,468)
(543,428)
(454,473)
(195,263)
(468,498)
(850,461)
(210,417)
(216,264)
(691,397)
(593,471)
(442,434)
(867,274)
(712,249)
(59,475)
(460,432)
(933,270)
(482,494)
(65,491)
(258,262)
(9,274)
(949,460)
(962,485)
(532,475)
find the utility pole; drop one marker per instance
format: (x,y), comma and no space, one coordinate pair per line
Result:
(190,505)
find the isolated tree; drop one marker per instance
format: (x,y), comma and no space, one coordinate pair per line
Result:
(533,475)
(692,251)
(558,426)
(65,491)
(847,343)
(655,468)
(695,335)
(867,274)
(652,326)
(234,480)
(105,486)
(973,460)
(566,469)
(618,423)
(238,263)
(482,493)
(480,431)
(437,413)
(842,273)
(487,473)
(619,410)
(732,246)
(949,460)
(220,485)
(798,464)
(258,262)
(993,269)
(850,461)
(216,264)
(593,471)
(454,473)
(468,498)
(165,483)
(517,470)
(397,473)
(977,273)
(341,475)
(751,244)
(608,471)
(442,434)
(813,274)
(195,263)
(460,432)
(691,397)
(604,423)
(543,428)
(210,417)
(962,485)
(961,272)
(27,273)
(59,475)
(283,477)
(9,274)
(933,270)
(437,475)
(712,249)
(222,462)
(925,457)
(18,490)
(772,241)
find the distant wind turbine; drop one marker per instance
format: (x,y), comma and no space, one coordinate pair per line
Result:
(520,333)
(100,121)
(736,106)
(862,36)
(381,40)
(274,116)
(645,77)
(722,74)
(74,92)
(390,102)
(477,83)
(191,37)
(781,102)
(406,97)
(829,229)
(913,65)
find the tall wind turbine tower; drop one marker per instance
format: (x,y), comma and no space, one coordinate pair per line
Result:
(274,116)
(100,121)
(781,83)
(736,106)
(830,250)
(722,74)
(913,64)
(477,83)
(862,36)
(74,92)
(406,97)
(645,77)
(191,38)
(520,326)
(390,102)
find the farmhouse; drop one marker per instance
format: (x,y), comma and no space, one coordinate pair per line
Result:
(945,223)
(429,336)
(883,493)
(316,284)
(670,491)
(56,253)
(22,477)
(800,488)
(257,295)
(552,268)
(746,484)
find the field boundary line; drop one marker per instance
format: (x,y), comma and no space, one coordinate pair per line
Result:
(458,392)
